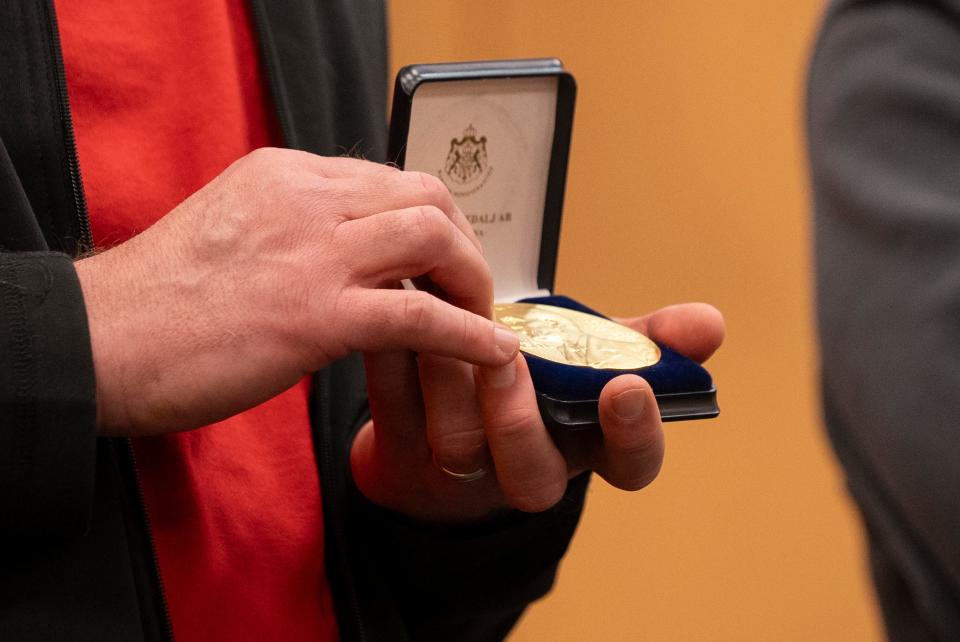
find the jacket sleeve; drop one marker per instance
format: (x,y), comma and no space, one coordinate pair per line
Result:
(884,133)
(47,392)
(469,584)
(47,398)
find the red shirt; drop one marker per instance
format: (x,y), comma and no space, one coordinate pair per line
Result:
(164,96)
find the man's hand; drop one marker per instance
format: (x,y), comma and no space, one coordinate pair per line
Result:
(439,412)
(281,264)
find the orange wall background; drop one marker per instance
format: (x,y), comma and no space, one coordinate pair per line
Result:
(687,182)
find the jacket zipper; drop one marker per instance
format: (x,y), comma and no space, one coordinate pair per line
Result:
(334,501)
(85,242)
(166,626)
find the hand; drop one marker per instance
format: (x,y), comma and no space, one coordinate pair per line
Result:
(272,270)
(437,411)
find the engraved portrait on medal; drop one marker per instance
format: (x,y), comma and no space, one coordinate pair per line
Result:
(576,338)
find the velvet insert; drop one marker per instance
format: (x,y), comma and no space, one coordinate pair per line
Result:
(673,374)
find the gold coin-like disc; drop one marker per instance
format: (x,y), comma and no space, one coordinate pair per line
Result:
(576,338)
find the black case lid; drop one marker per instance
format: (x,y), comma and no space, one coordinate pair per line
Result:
(413,78)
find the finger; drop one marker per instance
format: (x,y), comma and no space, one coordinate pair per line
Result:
(408,319)
(358,196)
(405,244)
(437,194)
(531,471)
(393,387)
(693,329)
(633,445)
(454,427)
(394,392)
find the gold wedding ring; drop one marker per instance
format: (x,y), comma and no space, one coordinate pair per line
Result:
(576,338)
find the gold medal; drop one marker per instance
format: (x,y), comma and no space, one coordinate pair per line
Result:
(576,338)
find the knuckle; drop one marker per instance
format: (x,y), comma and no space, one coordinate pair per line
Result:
(470,334)
(261,154)
(633,469)
(434,189)
(417,312)
(537,495)
(264,159)
(320,197)
(513,426)
(484,279)
(635,445)
(433,225)
(270,169)
(460,449)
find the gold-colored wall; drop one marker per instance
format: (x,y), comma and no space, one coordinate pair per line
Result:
(687,182)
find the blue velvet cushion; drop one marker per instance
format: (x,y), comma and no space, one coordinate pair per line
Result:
(674,373)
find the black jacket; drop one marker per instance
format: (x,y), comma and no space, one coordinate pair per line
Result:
(77,561)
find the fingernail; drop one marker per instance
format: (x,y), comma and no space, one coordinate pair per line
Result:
(507,342)
(500,376)
(629,404)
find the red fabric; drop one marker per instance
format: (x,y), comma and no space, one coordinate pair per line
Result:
(164,96)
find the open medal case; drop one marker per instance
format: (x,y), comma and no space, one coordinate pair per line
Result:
(497,134)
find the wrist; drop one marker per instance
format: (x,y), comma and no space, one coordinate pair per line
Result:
(112,413)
